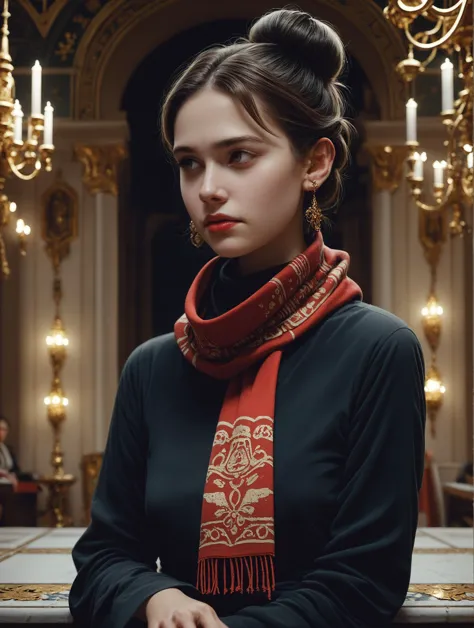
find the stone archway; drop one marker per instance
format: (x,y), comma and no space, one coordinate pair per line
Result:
(126,31)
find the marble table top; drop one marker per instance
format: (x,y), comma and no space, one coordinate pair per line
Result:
(36,571)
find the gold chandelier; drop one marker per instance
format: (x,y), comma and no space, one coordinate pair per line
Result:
(432,26)
(446,28)
(23,158)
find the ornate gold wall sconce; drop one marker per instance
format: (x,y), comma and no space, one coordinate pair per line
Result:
(433,233)
(59,229)
(7,211)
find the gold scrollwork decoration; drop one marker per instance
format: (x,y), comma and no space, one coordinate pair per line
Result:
(101,166)
(67,47)
(387,163)
(452,592)
(36,592)
(31,592)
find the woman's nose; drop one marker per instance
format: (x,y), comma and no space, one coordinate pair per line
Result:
(210,190)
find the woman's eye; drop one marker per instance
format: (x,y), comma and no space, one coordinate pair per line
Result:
(241,157)
(188,164)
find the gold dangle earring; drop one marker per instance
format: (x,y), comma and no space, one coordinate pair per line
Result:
(313,214)
(196,238)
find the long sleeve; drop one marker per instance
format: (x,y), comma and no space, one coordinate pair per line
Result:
(15,467)
(362,576)
(116,556)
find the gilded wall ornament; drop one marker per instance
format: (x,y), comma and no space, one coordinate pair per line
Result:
(433,227)
(101,165)
(386,164)
(67,47)
(59,217)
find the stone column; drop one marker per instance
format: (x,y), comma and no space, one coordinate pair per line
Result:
(100,178)
(387,168)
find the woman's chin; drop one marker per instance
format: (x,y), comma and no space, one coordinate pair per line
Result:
(230,247)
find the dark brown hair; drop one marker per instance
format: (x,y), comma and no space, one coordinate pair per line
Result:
(290,63)
(5,420)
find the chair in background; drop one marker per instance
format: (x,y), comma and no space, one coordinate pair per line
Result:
(18,504)
(90,468)
(432,500)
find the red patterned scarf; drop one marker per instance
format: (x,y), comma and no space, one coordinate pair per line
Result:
(244,345)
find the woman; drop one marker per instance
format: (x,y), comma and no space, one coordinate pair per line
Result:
(8,464)
(269,452)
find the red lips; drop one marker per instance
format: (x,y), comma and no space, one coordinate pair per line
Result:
(216,218)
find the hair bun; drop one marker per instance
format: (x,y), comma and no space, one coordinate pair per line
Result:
(303,38)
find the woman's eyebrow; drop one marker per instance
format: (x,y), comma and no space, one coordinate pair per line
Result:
(231,141)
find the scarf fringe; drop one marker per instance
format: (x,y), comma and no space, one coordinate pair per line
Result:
(257,572)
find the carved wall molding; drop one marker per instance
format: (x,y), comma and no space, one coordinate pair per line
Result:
(387,166)
(45,19)
(372,39)
(101,165)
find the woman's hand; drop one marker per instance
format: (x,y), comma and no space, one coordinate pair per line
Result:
(171,608)
(11,477)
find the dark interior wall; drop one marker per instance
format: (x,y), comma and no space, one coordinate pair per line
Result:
(160,261)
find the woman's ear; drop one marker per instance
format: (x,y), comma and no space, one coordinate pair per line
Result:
(320,161)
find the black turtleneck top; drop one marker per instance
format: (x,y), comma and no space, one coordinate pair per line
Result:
(348,464)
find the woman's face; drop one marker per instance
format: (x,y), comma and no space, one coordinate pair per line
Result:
(3,431)
(229,165)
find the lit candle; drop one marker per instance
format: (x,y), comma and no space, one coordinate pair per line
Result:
(36,89)
(438,173)
(418,166)
(447,87)
(411,120)
(48,124)
(470,160)
(17,114)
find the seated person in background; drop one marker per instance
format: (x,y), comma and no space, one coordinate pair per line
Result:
(465,474)
(8,464)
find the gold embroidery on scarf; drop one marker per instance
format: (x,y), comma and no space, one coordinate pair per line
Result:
(235,468)
(312,294)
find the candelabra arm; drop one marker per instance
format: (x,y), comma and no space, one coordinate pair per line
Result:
(453,196)
(16,169)
(444,11)
(428,9)
(429,59)
(410,10)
